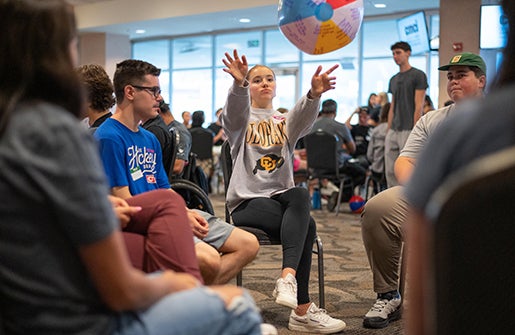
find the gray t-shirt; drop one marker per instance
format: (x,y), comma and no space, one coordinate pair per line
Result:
(423,130)
(54,200)
(475,129)
(403,86)
(183,139)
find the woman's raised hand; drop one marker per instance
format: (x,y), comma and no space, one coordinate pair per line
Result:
(237,67)
(322,82)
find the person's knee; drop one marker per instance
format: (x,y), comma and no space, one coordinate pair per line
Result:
(298,197)
(167,198)
(382,205)
(299,193)
(250,245)
(209,262)
(244,243)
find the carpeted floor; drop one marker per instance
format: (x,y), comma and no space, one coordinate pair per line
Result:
(348,279)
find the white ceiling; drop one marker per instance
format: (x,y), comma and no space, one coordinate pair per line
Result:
(262,16)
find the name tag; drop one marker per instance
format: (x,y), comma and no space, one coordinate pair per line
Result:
(136,174)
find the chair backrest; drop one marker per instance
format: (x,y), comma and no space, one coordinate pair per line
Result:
(322,154)
(226,163)
(202,143)
(174,141)
(474,227)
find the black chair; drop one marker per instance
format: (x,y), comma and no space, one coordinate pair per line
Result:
(202,143)
(474,226)
(263,237)
(194,196)
(322,152)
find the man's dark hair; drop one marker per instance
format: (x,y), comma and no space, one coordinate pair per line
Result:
(401,45)
(164,107)
(329,106)
(197,119)
(131,72)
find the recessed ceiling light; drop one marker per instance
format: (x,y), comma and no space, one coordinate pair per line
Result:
(140,31)
(380,5)
(244,20)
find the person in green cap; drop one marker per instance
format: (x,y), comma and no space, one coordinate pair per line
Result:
(385,214)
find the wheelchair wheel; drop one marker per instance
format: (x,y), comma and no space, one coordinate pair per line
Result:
(193,195)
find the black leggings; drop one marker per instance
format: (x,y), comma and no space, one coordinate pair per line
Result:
(285,216)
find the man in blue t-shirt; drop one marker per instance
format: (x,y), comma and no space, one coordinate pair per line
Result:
(133,162)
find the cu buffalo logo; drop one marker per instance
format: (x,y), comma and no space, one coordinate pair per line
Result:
(268,163)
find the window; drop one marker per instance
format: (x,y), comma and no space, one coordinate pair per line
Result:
(154,52)
(192,52)
(249,44)
(192,90)
(192,77)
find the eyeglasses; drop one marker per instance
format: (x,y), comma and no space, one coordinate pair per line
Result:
(154,90)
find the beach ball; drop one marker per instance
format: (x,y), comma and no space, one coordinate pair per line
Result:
(356,204)
(318,26)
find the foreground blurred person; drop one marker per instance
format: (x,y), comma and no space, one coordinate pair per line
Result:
(63,265)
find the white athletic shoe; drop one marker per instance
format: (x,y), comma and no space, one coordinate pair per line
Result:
(315,321)
(285,292)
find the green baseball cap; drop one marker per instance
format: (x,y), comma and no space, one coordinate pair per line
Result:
(466,59)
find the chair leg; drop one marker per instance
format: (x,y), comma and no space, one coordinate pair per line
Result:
(239,278)
(402,275)
(340,194)
(321,278)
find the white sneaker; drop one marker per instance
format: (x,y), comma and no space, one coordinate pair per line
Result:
(385,310)
(285,292)
(316,321)
(268,329)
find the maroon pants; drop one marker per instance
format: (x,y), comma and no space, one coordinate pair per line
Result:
(159,236)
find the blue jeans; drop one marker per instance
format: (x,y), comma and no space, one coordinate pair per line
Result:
(195,311)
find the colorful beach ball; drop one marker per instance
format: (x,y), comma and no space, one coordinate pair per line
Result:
(356,204)
(317,26)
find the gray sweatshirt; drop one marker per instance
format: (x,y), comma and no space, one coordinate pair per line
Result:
(262,143)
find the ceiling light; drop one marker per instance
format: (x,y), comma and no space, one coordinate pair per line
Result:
(379,5)
(140,31)
(244,20)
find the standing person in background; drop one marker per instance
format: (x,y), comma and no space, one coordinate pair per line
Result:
(262,192)
(408,88)
(63,266)
(186,119)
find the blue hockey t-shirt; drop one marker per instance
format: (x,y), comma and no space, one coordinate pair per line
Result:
(132,159)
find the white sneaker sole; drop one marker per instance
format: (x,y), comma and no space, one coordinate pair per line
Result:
(286,301)
(313,330)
